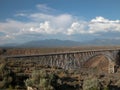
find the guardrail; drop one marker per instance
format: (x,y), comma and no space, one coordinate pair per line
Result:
(59,53)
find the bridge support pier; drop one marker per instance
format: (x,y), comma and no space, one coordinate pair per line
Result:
(111,67)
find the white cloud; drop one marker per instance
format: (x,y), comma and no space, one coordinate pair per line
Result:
(21,14)
(59,20)
(62,24)
(54,25)
(40,24)
(43,28)
(46,28)
(100,24)
(77,28)
(95,26)
(11,26)
(100,19)
(40,17)
(63,20)
(44,8)
(58,23)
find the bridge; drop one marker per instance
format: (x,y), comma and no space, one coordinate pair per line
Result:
(69,60)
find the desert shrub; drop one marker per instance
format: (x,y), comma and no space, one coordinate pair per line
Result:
(91,83)
(105,88)
(42,79)
(5,76)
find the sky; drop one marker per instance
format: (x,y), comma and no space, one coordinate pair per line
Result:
(79,20)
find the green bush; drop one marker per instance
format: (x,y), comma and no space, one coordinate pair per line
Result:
(5,75)
(91,83)
(42,79)
(106,88)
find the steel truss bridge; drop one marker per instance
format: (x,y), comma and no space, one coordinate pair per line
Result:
(71,59)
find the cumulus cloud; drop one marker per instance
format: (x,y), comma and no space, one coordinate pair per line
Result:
(44,28)
(77,27)
(55,25)
(39,24)
(42,24)
(94,26)
(103,20)
(59,20)
(100,24)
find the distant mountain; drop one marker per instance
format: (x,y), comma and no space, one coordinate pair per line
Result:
(63,43)
(51,43)
(9,45)
(103,42)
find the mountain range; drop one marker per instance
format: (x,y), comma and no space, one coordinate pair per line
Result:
(63,43)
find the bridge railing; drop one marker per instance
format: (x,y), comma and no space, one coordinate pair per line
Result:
(66,52)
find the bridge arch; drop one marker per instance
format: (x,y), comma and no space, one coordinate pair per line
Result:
(109,57)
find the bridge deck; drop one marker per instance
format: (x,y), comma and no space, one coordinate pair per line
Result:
(61,53)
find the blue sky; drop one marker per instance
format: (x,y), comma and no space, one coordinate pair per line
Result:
(79,20)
